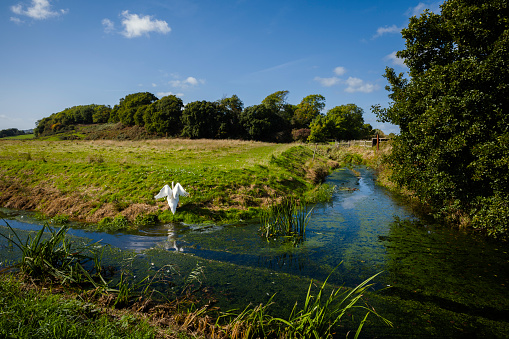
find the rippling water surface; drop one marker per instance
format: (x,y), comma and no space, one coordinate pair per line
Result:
(435,282)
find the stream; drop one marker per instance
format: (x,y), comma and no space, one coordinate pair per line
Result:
(435,282)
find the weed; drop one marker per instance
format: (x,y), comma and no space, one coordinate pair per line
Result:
(54,257)
(318,318)
(288,219)
(59,219)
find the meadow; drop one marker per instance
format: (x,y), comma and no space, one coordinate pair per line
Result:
(113,183)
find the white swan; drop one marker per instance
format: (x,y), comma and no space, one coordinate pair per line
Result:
(173,193)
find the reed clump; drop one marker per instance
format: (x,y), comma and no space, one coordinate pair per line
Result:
(287,219)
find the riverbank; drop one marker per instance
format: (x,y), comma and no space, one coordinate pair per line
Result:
(112,182)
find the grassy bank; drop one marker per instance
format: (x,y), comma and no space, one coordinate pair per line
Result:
(115,181)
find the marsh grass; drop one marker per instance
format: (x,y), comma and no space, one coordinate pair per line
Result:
(287,219)
(318,317)
(53,257)
(320,314)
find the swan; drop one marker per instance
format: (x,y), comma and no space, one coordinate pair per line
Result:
(173,193)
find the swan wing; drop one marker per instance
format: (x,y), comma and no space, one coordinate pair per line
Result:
(165,191)
(178,190)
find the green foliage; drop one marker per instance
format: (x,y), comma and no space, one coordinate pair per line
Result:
(201,119)
(54,258)
(35,313)
(66,119)
(131,108)
(261,123)
(320,314)
(118,223)
(343,122)
(308,109)
(164,116)
(321,194)
(319,317)
(287,219)
(10,132)
(452,110)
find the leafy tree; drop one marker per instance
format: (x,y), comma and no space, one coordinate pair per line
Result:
(343,122)
(128,110)
(101,114)
(201,119)
(276,101)
(453,150)
(231,111)
(164,116)
(261,123)
(10,132)
(308,109)
(325,127)
(281,112)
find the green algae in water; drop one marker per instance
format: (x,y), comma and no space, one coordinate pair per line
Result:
(437,282)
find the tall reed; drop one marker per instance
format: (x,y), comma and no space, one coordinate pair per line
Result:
(55,257)
(288,219)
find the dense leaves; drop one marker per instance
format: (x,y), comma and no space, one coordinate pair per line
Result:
(452,112)
(164,116)
(343,122)
(273,120)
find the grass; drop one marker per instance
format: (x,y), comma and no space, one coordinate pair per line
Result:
(20,137)
(228,180)
(318,317)
(32,312)
(49,262)
(287,219)
(52,257)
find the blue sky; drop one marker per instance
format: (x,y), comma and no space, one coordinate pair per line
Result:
(62,53)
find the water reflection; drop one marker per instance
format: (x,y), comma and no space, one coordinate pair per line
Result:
(443,282)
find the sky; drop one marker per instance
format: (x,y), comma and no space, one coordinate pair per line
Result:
(62,53)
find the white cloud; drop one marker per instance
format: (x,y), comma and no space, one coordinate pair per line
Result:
(165,94)
(395,60)
(328,82)
(339,70)
(38,9)
(387,30)
(16,20)
(109,26)
(135,26)
(419,9)
(358,85)
(189,82)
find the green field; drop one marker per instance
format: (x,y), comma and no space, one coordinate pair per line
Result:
(94,181)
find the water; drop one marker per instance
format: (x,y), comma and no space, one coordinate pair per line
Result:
(435,282)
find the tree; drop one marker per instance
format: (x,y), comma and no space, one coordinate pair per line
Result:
(164,116)
(308,109)
(261,123)
(201,119)
(101,114)
(281,112)
(276,101)
(128,110)
(326,127)
(453,150)
(343,122)
(231,111)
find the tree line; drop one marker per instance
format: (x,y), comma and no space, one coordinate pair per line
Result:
(273,120)
(11,132)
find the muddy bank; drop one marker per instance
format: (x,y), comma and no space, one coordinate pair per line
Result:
(50,201)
